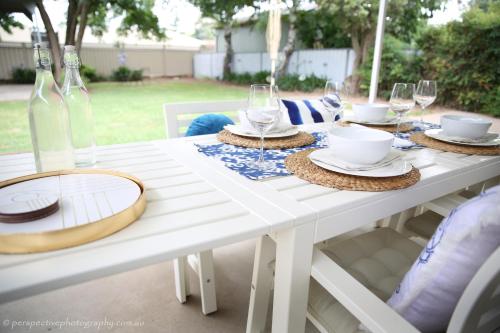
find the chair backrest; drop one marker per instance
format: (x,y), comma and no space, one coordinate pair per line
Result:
(177,115)
(478,310)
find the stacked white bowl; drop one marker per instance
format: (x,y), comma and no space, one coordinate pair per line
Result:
(360,145)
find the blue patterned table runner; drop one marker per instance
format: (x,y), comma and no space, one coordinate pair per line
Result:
(237,158)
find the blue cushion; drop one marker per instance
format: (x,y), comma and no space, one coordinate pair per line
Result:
(307,111)
(208,124)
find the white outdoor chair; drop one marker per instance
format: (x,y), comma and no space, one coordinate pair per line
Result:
(338,301)
(201,263)
(343,284)
(175,114)
(428,216)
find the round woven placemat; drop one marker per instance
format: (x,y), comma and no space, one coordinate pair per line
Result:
(294,141)
(423,139)
(405,127)
(301,166)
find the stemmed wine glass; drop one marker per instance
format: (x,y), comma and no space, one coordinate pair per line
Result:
(425,95)
(402,100)
(262,112)
(334,97)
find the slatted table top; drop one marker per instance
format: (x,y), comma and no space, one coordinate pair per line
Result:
(338,211)
(185,214)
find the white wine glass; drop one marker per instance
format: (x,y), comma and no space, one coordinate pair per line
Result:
(263,112)
(334,97)
(425,95)
(402,100)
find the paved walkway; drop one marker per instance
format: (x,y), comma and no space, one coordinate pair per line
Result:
(15,92)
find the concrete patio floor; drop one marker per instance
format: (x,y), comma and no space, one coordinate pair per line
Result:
(146,297)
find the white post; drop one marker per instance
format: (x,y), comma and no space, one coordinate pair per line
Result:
(379,42)
(273,71)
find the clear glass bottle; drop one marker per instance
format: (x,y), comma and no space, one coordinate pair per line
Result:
(49,120)
(80,111)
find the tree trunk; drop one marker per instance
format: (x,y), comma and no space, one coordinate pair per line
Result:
(84,11)
(358,57)
(367,43)
(71,22)
(228,58)
(54,43)
(290,41)
(361,46)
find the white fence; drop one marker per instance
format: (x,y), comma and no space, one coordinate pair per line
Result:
(333,64)
(154,61)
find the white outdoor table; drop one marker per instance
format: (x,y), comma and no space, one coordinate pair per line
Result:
(334,211)
(195,203)
(185,214)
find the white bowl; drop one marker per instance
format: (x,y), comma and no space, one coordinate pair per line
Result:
(359,145)
(465,126)
(370,112)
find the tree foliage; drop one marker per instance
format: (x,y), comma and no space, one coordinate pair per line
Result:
(7,22)
(358,18)
(464,57)
(222,11)
(317,30)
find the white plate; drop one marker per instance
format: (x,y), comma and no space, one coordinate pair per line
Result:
(438,135)
(236,129)
(388,121)
(397,168)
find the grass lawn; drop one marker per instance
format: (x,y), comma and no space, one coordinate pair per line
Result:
(123,112)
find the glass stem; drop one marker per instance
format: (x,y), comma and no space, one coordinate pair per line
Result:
(422,114)
(261,155)
(399,122)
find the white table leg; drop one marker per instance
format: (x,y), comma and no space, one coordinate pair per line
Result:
(181,279)
(207,282)
(291,282)
(262,280)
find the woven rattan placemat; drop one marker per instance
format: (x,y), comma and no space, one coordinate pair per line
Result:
(301,166)
(405,127)
(423,139)
(299,140)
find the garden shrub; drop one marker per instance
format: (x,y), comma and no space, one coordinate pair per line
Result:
(121,74)
(288,82)
(136,75)
(398,64)
(89,74)
(464,57)
(23,75)
(124,73)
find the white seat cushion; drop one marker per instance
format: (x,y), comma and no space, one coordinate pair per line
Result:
(425,224)
(378,259)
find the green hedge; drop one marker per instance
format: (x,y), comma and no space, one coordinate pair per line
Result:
(23,75)
(290,82)
(398,64)
(462,56)
(124,73)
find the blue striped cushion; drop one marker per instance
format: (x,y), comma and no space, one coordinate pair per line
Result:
(307,111)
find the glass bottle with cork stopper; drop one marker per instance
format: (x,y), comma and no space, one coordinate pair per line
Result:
(48,118)
(80,111)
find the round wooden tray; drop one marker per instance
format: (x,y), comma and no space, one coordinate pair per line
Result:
(29,242)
